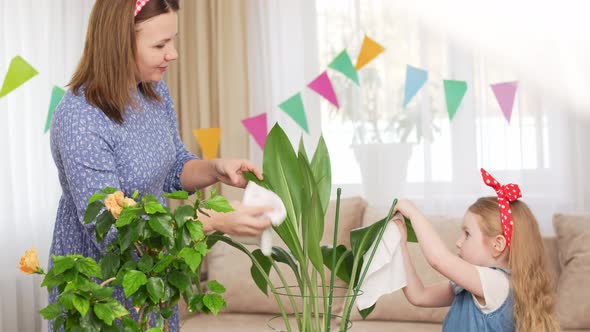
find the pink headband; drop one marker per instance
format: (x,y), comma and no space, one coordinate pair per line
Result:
(506,194)
(139,6)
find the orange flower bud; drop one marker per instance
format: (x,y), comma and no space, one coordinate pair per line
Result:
(29,263)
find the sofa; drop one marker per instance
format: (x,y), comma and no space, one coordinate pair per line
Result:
(248,309)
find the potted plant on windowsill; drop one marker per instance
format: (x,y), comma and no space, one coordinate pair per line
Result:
(304,186)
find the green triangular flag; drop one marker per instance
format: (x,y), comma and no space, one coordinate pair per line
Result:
(56,95)
(294,107)
(343,64)
(18,73)
(454,93)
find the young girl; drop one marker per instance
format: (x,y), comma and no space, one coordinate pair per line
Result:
(498,281)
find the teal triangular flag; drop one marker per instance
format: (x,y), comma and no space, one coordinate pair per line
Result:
(294,108)
(415,79)
(343,64)
(56,95)
(454,93)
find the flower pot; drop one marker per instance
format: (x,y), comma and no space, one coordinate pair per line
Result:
(383,168)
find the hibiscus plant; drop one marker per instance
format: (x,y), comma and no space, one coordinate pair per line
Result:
(155,258)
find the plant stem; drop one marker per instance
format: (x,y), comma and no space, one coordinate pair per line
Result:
(138,248)
(166,322)
(289,294)
(141,311)
(315,299)
(108,281)
(333,275)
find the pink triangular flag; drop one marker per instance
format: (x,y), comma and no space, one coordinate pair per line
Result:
(256,126)
(323,86)
(505,93)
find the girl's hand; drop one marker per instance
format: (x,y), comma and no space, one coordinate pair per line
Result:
(231,171)
(401,225)
(244,221)
(405,207)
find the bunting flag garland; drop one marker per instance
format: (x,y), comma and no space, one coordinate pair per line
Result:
(369,50)
(343,64)
(454,93)
(56,95)
(415,79)
(257,127)
(208,140)
(294,108)
(505,93)
(323,86)
(18,73)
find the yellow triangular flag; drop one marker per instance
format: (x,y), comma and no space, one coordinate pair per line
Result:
(369,51)
(208,140)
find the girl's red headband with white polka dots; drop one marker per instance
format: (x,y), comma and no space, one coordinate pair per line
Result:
(506,194)
(139,5)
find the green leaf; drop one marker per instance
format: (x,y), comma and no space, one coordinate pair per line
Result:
(155,288)
(283,256)
(129,325)
(218,203)
(257,275)
(201,248)
(62,264)
(312,220)
(191,257)
(89,267)
(128,235)
(81,304)
(146,263)
(51,311)
(51,279)
(132,281)
(127,216)
(160,223)
(92,211)
(167,312)
(155,329)
(140,297)
(96,197)
(67,299)
(179,280)
(181,195)
(109,190)
(410,231)
(322,173)
(344,261)
(135,194)
(58,323)
(109,265)
(215,287)
(163,263)
(283,176)
(104,313)
(152,207)
(366,312)
(195,228)
(182,214)
(103,224)
(117,308)
(214,302)
(183,238)
(196,303)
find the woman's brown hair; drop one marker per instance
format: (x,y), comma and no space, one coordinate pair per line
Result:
(532,284)
(107,70)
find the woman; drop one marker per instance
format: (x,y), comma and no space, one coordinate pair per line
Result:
(117,127)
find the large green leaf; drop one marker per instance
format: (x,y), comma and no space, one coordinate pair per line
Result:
(312,219)
(183,214)
(322,173)
(161,224)
(132,281)
(283,256)
(155,288)
(344,261)
(367,311)
(283,175)
(266,264)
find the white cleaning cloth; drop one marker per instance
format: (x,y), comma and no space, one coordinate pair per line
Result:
(386,273)
(255,195)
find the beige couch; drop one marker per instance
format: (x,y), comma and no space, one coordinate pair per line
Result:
(249,310)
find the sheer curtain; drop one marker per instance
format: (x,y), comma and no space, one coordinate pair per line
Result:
(48,34)
(543,149)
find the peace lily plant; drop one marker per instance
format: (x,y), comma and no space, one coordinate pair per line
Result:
(304,186)
(155,258)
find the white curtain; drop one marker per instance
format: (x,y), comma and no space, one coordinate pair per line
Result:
(543,149)
(49,35)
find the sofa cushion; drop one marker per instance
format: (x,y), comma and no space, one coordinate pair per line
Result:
(394,306)
(232,268)
(573,292)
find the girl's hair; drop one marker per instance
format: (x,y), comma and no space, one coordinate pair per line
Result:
(107,71)
(532,284)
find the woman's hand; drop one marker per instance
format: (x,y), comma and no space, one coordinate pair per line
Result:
(244,221)
(401,225)
(231,171)
(405,207)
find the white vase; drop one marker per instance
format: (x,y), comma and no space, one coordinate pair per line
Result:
(384,167)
